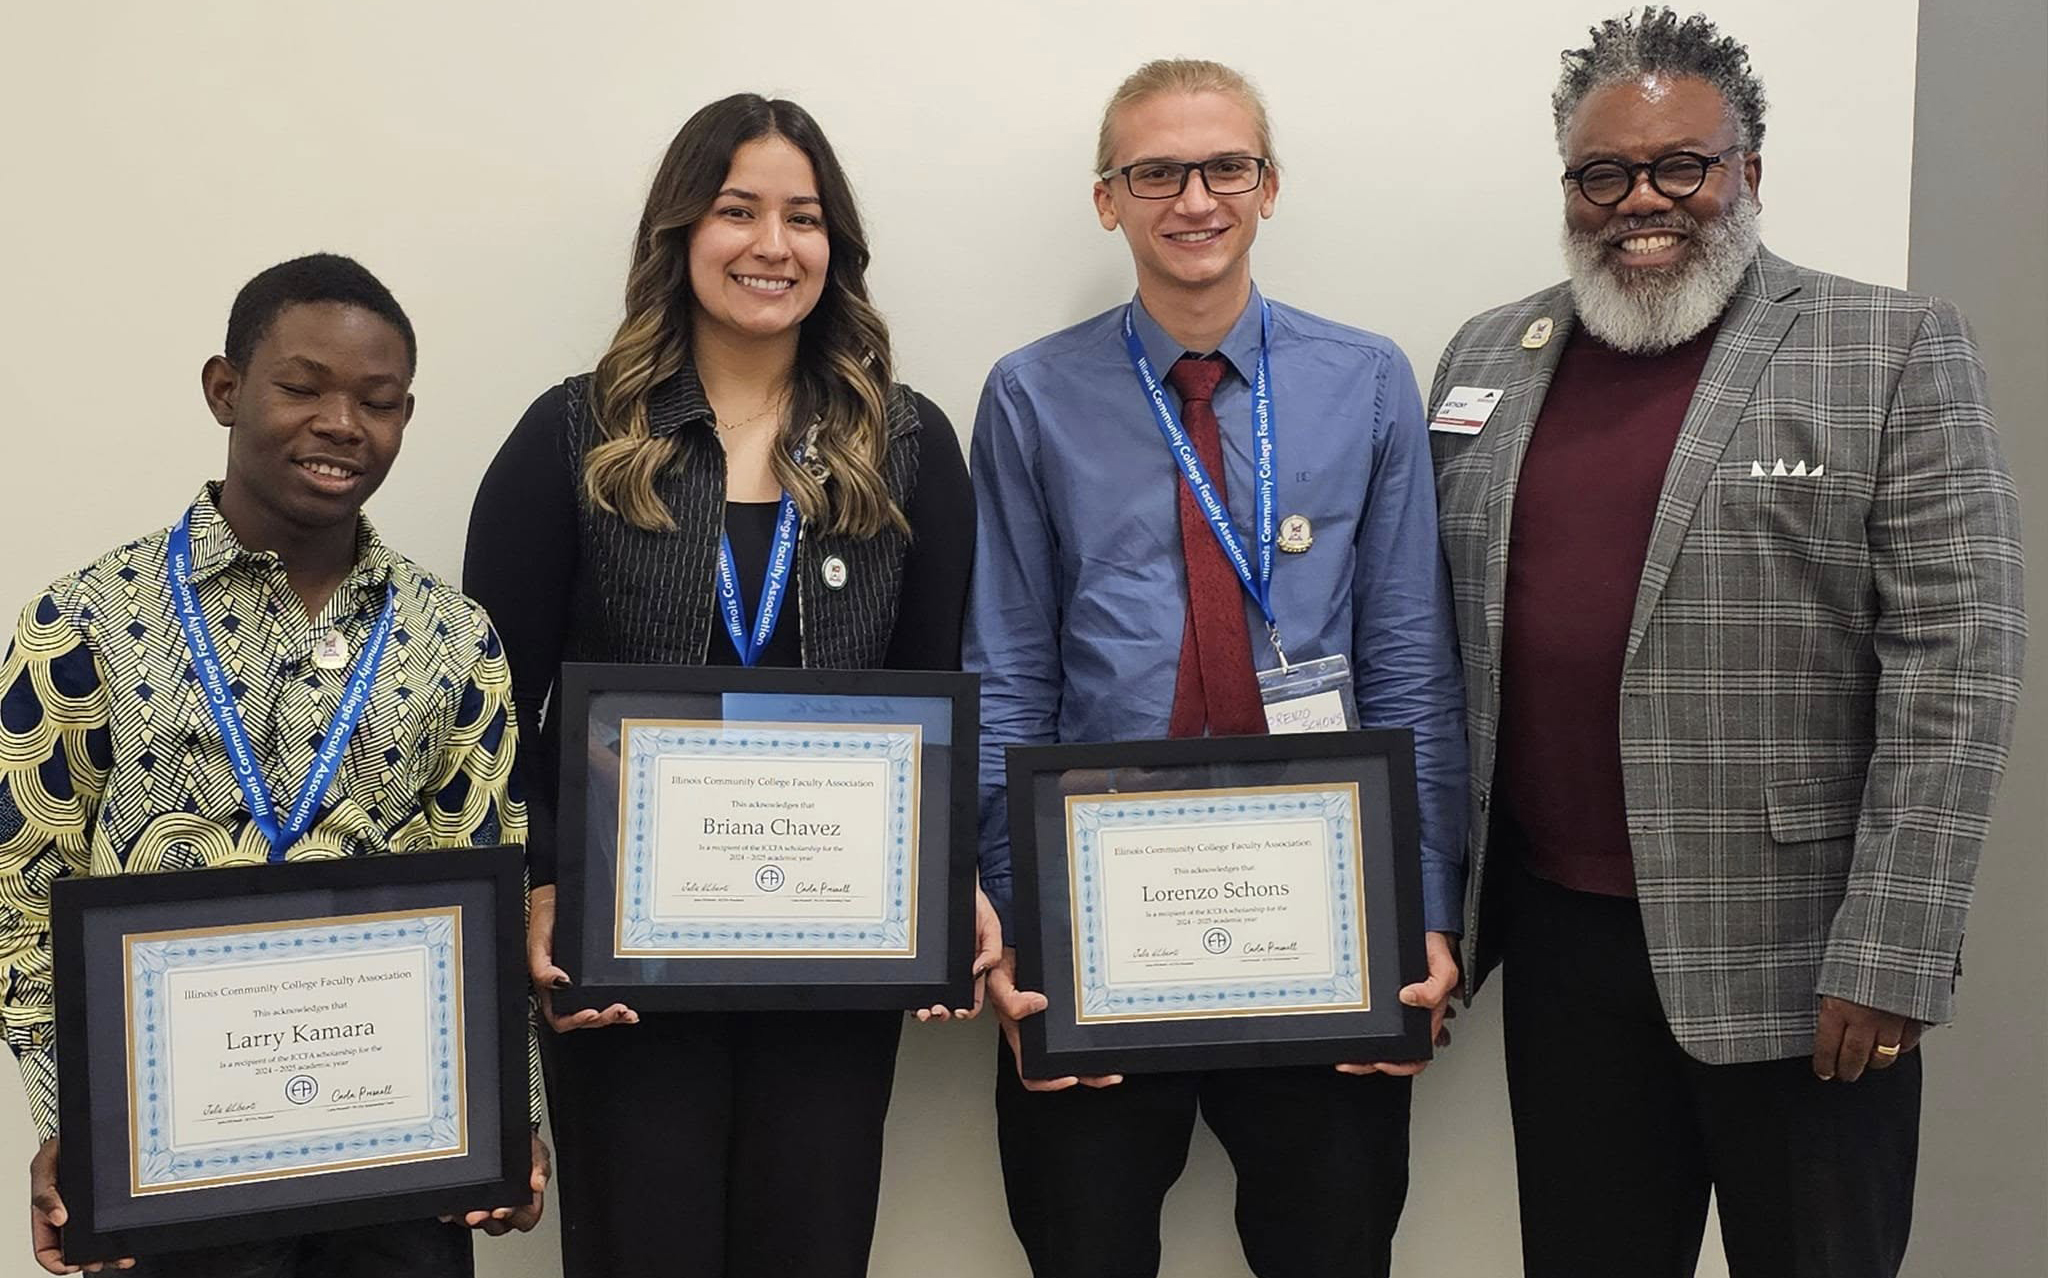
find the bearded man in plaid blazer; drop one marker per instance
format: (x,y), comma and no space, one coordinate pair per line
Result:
(1738,582)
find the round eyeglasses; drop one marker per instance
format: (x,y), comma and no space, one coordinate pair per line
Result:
(1166,179)
(1675,176)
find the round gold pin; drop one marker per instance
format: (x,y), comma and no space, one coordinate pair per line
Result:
(1296,536)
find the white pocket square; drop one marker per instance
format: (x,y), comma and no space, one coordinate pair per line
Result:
(1781,471)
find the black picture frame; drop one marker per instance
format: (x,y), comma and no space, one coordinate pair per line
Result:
(1059,1042)
(93,916)
(596,697)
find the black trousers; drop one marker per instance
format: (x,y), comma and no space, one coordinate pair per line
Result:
(414,1249)
(721,1145)
(1321,1161)
(1620,1135)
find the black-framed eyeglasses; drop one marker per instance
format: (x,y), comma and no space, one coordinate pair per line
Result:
(1166,179)
(1675,176)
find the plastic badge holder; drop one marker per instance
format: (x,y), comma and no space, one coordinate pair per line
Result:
(1309,696)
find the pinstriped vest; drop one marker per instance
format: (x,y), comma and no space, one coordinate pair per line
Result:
(657,590)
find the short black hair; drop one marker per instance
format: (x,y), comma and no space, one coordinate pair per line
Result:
(317,277)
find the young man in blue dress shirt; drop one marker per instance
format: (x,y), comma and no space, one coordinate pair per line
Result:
(1102,608)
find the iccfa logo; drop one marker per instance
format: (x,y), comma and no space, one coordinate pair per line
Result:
(1216,940)
(768,878)
(302,1089)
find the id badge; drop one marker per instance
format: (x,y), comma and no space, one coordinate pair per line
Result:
(1309,696)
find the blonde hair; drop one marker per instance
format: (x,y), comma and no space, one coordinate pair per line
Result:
(843,375)
(1182,75)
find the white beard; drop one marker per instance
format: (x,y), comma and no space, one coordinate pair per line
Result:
(1644,311)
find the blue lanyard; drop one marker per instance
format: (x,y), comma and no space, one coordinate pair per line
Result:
(355,698)
(781,558)
(1258,584)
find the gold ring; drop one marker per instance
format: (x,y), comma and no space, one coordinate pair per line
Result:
(1886,1052)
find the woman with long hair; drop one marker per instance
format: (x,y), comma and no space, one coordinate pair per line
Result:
(750,364)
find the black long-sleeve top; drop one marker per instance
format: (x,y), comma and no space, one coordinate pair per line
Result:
(522,564)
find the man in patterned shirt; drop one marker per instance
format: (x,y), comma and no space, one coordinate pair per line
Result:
(111,762)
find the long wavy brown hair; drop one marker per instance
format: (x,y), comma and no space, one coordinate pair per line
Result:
(843,372)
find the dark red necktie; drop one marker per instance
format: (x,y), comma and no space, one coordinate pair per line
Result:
(1215,690)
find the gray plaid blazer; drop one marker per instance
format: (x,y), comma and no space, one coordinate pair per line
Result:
(1823,661)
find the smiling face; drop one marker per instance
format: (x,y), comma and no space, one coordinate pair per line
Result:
(759,257)
(1199,241)
(316,418)
(1636,122)
(1652,272)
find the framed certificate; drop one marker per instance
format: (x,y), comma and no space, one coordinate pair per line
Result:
(267,1050)
(1218,902)
(765,838)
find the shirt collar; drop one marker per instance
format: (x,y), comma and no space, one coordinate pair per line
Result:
(215,547)
(1240,346)
(678,401)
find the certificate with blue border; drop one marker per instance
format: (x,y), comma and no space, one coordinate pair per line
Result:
(760,839)
(294,1047)
(1227,902)
(263,1051)
(1217,902)
(767,839)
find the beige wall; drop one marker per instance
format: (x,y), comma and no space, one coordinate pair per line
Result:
(489,159)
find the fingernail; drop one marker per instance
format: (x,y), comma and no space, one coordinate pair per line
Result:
(560,982)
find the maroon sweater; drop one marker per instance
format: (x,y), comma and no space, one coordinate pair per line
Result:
(1584,504)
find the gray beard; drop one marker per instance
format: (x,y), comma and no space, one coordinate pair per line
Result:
(1644,312)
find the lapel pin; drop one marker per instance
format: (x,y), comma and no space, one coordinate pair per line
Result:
(1537,335)
(834,570)
(331,653)
(1296,536)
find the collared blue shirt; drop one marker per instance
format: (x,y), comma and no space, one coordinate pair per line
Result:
(1079,593)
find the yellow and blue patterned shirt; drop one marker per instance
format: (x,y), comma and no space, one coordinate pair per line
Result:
(110,762)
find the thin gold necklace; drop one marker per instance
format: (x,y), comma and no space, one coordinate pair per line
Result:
(774,405)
